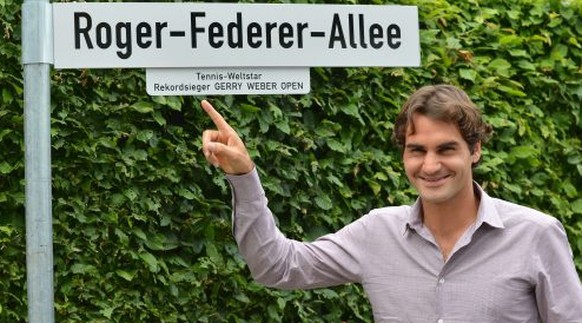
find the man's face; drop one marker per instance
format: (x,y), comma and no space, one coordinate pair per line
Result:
(438,161)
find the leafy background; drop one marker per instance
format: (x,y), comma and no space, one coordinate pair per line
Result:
(142,223)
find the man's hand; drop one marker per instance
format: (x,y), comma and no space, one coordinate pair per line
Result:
(223,147)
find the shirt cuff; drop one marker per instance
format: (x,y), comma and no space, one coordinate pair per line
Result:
(246,187)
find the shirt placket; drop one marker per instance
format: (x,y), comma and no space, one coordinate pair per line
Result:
(440,292)
(441,277)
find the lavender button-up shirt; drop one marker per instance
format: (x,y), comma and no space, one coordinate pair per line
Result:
(513,265)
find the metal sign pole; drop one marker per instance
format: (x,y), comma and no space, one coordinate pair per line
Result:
(37,57)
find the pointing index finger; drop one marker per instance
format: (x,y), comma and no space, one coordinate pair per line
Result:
(216,118)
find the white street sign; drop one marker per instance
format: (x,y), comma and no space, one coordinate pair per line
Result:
(132,35)
(227,80)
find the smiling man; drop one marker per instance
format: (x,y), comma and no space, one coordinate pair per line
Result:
(455,255)
(439,160)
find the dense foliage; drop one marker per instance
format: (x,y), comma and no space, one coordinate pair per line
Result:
(142,223)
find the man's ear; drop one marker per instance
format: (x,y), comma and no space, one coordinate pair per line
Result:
(476,154)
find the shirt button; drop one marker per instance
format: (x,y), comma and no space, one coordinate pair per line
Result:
(441,321)
(441,281)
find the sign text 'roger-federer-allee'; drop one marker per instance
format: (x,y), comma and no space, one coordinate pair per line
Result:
(233,35)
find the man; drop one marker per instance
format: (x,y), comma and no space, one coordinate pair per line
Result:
(455,255)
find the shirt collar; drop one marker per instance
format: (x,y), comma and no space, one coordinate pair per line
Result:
(486,213)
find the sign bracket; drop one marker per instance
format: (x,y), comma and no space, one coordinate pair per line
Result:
(37,33)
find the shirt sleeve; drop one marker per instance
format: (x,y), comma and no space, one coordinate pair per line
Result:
(279,262)
(558,290)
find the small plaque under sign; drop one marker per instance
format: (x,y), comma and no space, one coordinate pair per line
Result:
(227,80)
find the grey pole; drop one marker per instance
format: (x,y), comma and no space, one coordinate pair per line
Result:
(37,56)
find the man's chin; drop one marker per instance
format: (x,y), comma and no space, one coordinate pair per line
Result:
(430,196)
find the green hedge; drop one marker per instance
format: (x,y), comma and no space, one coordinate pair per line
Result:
(142,223)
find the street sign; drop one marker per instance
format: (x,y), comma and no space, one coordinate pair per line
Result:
(227,80)
(164,35)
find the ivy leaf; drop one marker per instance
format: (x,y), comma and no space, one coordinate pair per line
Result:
(107,312)
(523,151)
(511,91)
(80,268)
(323,202)
(125,274)
(5,168)
(559,52)
(467,74)
(500,66)
(151,261)
(142,107)
(577,206)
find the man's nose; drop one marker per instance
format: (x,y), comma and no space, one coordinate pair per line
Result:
(431,163)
